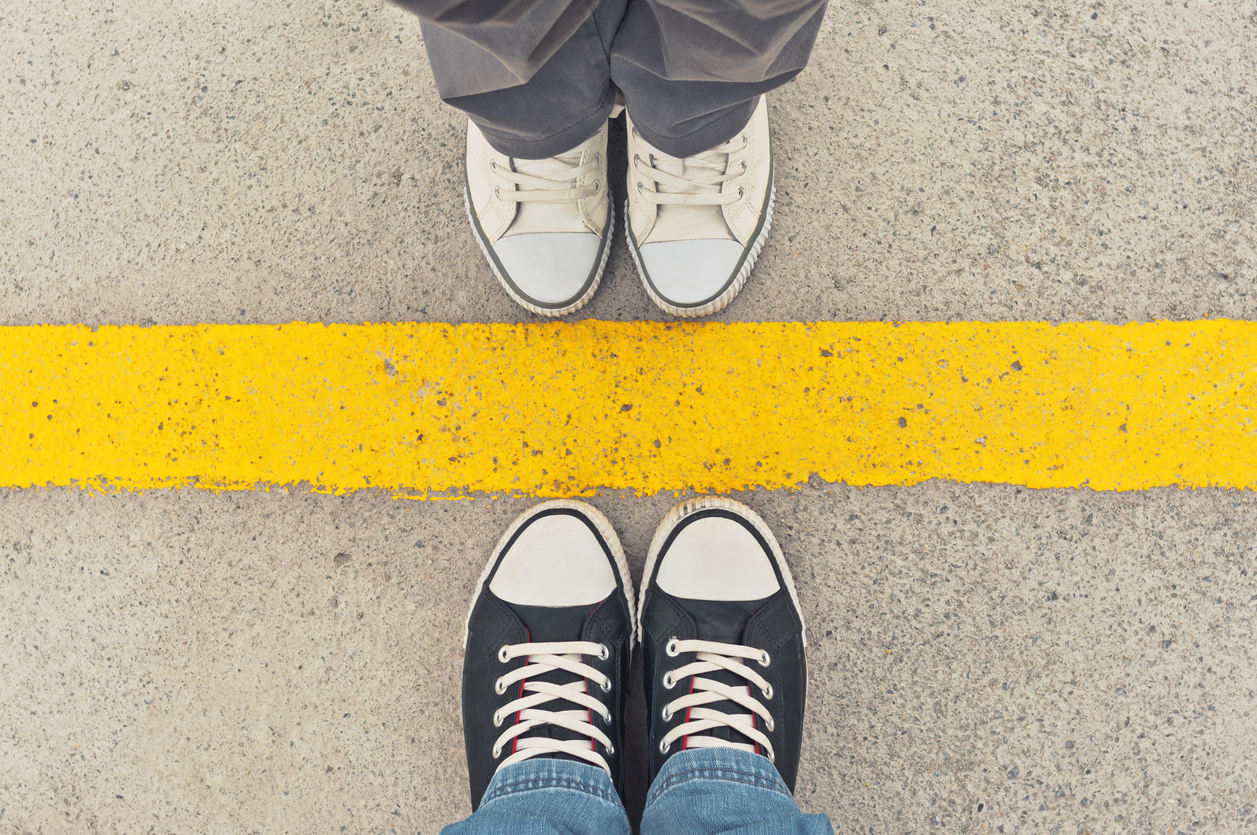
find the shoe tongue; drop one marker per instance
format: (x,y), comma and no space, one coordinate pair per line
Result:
(726,622)
(533,216)
(679,167)
(546,624)
(678,222)
(547,167)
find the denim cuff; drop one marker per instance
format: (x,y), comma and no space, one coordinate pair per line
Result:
(541,773)
(722,764)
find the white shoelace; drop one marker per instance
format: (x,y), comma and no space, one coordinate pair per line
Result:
(545,658)
(550,180)
(712,656)
(691,181)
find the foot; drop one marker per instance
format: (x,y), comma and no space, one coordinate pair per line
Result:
(723,636)
(547,645)
(696,224)
(544,224)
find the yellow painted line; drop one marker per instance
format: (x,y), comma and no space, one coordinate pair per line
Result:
(565,409)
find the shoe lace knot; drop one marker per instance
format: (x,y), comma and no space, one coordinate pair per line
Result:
(700,717)
(693,181)
(533,708)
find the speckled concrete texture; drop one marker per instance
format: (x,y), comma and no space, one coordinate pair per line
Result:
(984,659)
(980,658)
(243,162)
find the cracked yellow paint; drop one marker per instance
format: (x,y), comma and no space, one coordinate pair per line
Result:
(563,409)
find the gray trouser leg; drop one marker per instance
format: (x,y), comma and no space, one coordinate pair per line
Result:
(690,70)
(555,107)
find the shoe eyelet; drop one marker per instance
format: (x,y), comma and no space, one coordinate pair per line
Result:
(745,141)
(497,752)
(606,686)
(497,720)
(502,655)
(499,687)
(597,157)
(768,692)
(664,747)
(637,158)
(493,165)
(765,659)
(603,652)
(597,186)
(772,758)
(497,192)
(668,681)
(639,187)
(769,723)
(741,191)
(606,717)
(671,648)
(610,749)
(666,714)
(744,166)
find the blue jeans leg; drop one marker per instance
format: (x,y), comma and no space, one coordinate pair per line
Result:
(724,791)
(545,796)
(706,791)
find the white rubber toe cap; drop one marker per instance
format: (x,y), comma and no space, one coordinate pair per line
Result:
(555,561)
(717,558)
(690,272)
(550,268)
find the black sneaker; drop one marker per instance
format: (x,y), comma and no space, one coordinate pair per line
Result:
(547,645)
(723,636)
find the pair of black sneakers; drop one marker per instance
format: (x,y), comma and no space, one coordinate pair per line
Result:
(552,626)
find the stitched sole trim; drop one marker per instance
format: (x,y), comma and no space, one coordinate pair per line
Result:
(720,302)
(531,307)
(603,526)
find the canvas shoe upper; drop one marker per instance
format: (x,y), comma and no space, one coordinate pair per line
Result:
(547,646)
(696,224)
(544,224)
(723,638)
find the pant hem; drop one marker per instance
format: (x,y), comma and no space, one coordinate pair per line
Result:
(711,134)
(556,143)
(720,765)
(576,777)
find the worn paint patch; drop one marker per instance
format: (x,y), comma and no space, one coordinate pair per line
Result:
(562,409)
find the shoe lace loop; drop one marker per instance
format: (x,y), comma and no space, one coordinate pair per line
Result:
(710,657)
(547,185)
(691,181)
(534,695)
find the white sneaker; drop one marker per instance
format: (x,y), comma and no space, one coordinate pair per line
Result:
(544,224)
(696,225)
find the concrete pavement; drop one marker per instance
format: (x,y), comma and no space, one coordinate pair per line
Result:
(984,658)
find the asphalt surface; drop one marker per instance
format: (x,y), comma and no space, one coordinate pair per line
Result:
(983,658)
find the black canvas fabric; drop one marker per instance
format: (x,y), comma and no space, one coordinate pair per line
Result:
(495,623)
(773,624)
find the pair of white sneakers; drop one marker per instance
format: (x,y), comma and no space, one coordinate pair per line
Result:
(695,225)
